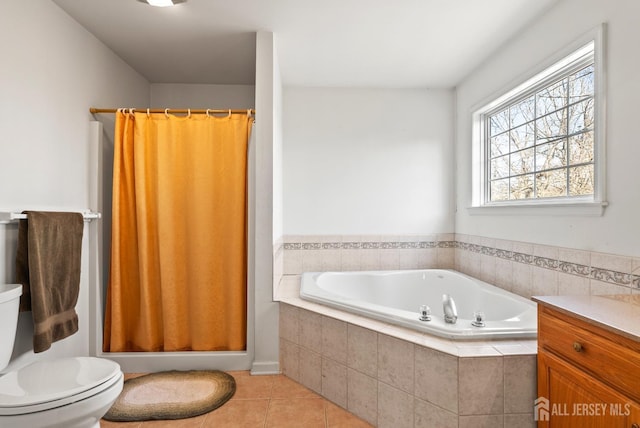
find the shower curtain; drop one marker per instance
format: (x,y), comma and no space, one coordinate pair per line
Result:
(179,234)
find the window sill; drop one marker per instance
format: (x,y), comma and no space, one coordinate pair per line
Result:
(581,209)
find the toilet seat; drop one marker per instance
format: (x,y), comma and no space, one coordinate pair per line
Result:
(44,385)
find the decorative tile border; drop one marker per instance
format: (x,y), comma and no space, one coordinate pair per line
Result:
(596,273)
(600,274)
(366,245)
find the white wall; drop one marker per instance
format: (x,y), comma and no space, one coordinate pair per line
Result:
(181,95)
(367,161)
(617,231)
(52,72)
(261,217)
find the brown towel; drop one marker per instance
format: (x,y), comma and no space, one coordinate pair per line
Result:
(48,267)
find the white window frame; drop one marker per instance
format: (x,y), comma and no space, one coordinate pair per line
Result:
(585,205)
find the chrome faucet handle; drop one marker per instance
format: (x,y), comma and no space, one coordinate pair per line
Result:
(425,313)
(478,319)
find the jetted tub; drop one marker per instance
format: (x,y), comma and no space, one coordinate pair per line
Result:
(396,297)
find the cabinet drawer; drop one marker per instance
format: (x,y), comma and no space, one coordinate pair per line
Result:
(606,356)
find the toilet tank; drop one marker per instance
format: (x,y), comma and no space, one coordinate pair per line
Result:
(9,305)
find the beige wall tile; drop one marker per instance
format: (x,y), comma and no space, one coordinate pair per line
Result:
(544,282)
(604,288)
(488,268)
(445,258)
(503,244)
(522,279)
(334,382)
(331,260)
(485,421)
(310,370)
(436,378)
(545,251)
(481,386)
(389,259)
(519,383)
(334,339)
(310,330)
(290,359)
(311,260)
(369,259)
(473,264)
(522,247)
(428,416)
(395,362)
(520,421)
(362,396)
(395,407)
(289,322)
(611,262)
(572,284)
(574,256)
(292,262)
(504,274)
(408,259)
(362,350)
(350,259)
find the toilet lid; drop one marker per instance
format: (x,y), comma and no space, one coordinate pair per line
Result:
(48,381)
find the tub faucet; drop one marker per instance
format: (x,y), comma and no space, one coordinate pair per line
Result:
(450,311)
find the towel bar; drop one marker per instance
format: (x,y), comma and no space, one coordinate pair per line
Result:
(9,217)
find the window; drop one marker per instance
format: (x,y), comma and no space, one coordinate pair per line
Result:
(540,143)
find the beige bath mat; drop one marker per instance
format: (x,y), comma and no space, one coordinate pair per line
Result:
(172,395)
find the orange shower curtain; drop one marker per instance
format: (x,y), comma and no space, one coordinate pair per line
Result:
(179,234)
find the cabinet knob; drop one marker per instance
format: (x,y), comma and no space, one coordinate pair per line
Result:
(635,425)
(577,346)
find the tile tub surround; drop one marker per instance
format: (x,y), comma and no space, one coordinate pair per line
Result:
(524,268)
(395,377)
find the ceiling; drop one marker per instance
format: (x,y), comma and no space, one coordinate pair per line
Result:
(361,43)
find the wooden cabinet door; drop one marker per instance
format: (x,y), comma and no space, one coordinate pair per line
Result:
(577,400)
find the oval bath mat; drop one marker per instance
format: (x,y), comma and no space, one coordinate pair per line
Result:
(172,395)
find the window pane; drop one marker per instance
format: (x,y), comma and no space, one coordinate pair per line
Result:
(581,116)
(551,98)
(522,137)
(581,84)
(499,190)
(500,145)
(522,112)
(500,167)
(551,155)
(552,126)
(522,162)
(521,187)
(550,184)
(581,180)
(581,148)
(499,122)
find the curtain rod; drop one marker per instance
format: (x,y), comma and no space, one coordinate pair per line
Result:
(94,110)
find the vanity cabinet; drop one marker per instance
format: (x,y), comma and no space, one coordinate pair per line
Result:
(588,370)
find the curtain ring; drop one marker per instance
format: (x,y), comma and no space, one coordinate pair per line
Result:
(188,112)
(207,112)
(248,113)
(229,112)
(148,113)
(166,112)
(132,111)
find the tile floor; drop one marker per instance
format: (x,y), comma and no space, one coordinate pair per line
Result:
(265,402)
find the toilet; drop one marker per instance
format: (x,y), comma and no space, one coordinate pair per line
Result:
(58,393)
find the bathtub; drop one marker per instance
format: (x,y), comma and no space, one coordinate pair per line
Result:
(396,297)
